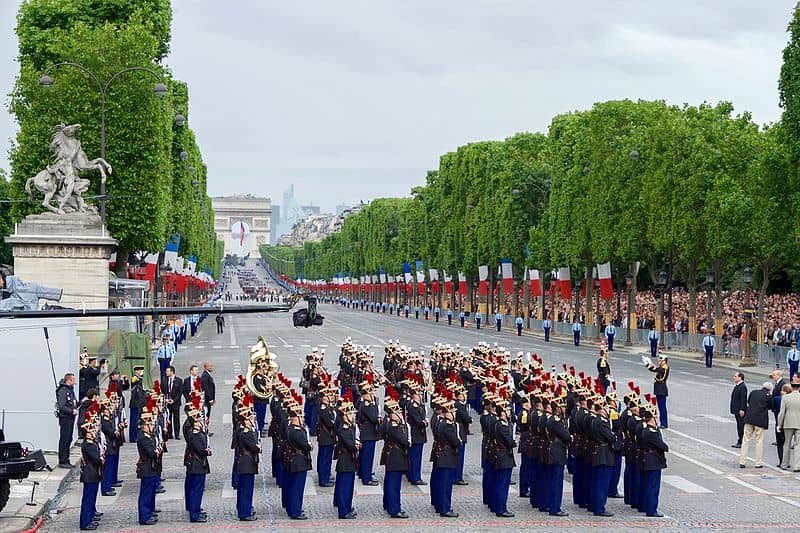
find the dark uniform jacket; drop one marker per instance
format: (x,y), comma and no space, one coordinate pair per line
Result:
(247,442)
(448,456)
(559,440)
(65,400)
(505,445)
(488,420)
(415,416)
(463,419)
(113,440)
(88,379)
(603,439)
(603,369)
(367,419)
(653,449)
(300,453)
(148,457)
(326,425)
(91,462)
(345,451)
(660,379)
(138,397)
(395,446)
(196,459)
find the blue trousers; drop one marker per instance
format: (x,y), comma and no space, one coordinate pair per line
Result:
(147,498)
(163,364)
(261,415)
(133,428)
(628,481)
(653,348)
(577,482)
(391,491)
(477,326)
(616,470)
(310,412)
(556,487)
(460,468)
(651,491)
(88,503)
(195,486)
(433,486)
(709,355)
(449,320)
(533,473)
(519,331)
(576,338)
(524,474)
(416,315)
(234,473)
(445,490)
(415,462)
(546,334)
(610,342)
(543,487)
(110,469)
(324,460)
(366,459)
(499,324)
(343,492)
(487,484)
(436,315)
(601,476)
(296,482)
(793,368)
(462,321)
(244,495)
(503,481)
(662,410)
(640,503)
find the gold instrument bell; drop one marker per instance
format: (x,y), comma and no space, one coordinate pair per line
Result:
(261,373)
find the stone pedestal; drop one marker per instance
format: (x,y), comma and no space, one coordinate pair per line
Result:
(68,251)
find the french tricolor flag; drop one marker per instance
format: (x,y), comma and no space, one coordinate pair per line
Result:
(565,283)
(606,285)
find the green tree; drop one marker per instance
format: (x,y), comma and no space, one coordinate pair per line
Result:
(6,227)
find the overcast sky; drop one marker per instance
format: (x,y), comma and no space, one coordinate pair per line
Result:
(353,100)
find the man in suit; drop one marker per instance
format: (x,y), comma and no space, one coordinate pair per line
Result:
(739,405)
(756,422)
(209,390)
(789,422)
(188,383)
(173,390)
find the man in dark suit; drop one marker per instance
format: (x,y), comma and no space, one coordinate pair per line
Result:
(739,405)
(209,389)
(188,383)
(173,390)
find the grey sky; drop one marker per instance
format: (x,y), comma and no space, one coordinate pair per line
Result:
(353,100)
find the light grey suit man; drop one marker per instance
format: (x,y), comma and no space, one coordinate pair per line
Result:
(789,420)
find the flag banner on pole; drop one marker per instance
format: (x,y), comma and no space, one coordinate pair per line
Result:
(407,272)
(483,280)
(420,282)
(434,274)
(507,272)
(418,265)
(171,251)
(565,283)
(112,261)
(535,283)
(150,265)
(448,283)
(383,277)
(606,285)
(462,283)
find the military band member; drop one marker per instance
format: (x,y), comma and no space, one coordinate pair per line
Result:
(463,419)
(111,433)
(197,465)
(298,464)
(602,458)
(660,389)
(488,449)
(504,462)
(557,456)
(326,435)
(368,420)
(247,460)
(396,442)
(138,401)
(261,404)
(447,460)
(346,453)
(415,417)
(91,470)
(146,468)
(653,461)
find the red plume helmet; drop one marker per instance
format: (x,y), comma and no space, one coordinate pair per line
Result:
(370,378)
(647,396)
(582,374)
(572,371)
(157,387)
(197,386)
(112,387)
(631,385)
(564,366)
(530,387)
(638,391)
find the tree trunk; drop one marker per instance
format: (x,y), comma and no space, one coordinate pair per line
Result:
(121,268)
(762,293)
(589,295)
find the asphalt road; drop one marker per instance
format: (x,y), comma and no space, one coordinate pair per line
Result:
(703,488)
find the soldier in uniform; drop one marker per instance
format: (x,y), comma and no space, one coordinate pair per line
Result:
(196,462)
(557,455)
(616,428)
(660,387)
(260,405)
(326,435)
(346,454)
(138,401)
(488,449)
(368,420)
(91,468)
(415,416)
(146,468)
(113,440)
(298,453)
(463,419)
(504,459)
(447,459)
(602,458)
(396,442)
(654,460)
(603,370)
(247,457)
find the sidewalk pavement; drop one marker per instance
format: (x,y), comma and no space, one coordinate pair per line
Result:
(18,515)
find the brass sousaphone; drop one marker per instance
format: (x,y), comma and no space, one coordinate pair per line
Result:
(262,370)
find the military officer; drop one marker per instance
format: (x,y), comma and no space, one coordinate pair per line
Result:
(368,420)
(557,456)
(138,401)
(463,419)
(197,465)
(654,460)
(91,468)
(299,462)
(603,370)
(113,439)
(660,387)
(146,468)
(346,454)
(415,417)
(504,460)
(602,458)
(447,460)
(247,458)
(396,442)
(326,435)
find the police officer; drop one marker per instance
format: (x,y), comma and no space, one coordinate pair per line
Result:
(576,332)
(436,313)
(462,317)
(416,312)
(427,312)
(498,320)
(519,322)
(708,347)
(546,325)
(478,318)
(346,454)
(653,337)
(449,317)
(611,332)
(197,465)
(164,356)
(91,467)
(246,462)
(407,310)
(396,442)
(660,389)
(326,436)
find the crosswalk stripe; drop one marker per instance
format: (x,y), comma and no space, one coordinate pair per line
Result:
(684,485)
(717,418)
(747,485)
(230,382)
(234,346)
(677,418)
(216,347)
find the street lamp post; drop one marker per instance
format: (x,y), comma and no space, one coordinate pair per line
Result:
(628,285)
(747,357)
(661,284)
(159,88)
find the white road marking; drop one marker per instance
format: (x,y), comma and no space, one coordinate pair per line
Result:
(676,418)
(216,347)
(227,419)
(233,333)
(684,485)
(696,462)
(719,448)
(233,346)
(747,485)
(717,418)
(787,500)
(200,346)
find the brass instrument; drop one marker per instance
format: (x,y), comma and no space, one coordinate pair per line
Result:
(260,384)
